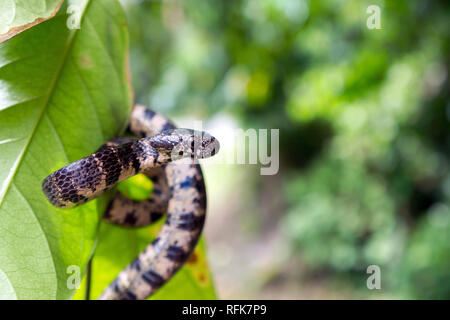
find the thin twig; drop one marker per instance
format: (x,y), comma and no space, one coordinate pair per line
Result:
(88,280)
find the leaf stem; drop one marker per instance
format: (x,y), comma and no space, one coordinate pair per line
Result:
(88,280)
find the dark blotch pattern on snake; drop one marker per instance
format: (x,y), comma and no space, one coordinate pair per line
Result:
(179,191)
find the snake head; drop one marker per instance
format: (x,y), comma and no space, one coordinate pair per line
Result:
(203,145)
(185,143)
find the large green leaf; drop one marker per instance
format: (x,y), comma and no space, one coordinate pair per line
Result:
(19,15)
(118,246)
(62,94)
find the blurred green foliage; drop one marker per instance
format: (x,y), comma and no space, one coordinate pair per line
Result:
(363,117)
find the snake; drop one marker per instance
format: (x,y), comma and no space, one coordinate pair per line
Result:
(168,156)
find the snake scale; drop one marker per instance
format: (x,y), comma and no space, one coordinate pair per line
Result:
(179,191)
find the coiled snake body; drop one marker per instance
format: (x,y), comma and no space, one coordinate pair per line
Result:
(179,191)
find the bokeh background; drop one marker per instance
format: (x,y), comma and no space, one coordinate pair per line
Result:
(364,119)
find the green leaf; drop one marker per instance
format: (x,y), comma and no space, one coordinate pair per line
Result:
(118,246)
(19,15)
(62,94)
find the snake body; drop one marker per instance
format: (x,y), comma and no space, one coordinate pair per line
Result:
(179,191)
